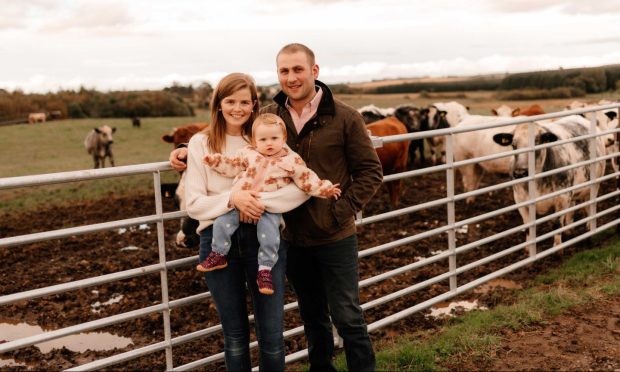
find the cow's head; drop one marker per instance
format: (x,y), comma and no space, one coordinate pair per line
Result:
(506,111)
(519,140)
(105,134)
(410,116)
(183,134)
(437,119)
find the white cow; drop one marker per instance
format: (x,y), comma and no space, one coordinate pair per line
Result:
(443,115)
(98,143)
(552,158)
(479,143)
(37,117)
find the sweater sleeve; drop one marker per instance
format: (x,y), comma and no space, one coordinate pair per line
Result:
(283,200)
(307,180)
(228,166)
(206,198)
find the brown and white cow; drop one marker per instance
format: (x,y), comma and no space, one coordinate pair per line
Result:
(552,158)
(98,143)
(394,155)
(187,236)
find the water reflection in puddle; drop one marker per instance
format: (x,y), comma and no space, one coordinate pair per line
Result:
(449,309)
(96,341)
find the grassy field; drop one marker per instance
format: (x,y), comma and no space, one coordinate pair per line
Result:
(57,146)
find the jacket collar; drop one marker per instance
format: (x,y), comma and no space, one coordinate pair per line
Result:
(326,107)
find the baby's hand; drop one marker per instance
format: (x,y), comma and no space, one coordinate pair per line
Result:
(335,191)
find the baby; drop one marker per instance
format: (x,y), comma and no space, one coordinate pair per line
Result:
(267,164)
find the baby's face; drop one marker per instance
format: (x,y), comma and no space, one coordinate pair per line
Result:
(268,139)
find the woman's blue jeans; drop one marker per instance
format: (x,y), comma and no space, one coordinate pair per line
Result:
(228,289)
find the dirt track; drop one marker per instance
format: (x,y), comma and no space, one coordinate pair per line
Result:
(53,262)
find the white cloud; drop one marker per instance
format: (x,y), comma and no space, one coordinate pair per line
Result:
(603,7)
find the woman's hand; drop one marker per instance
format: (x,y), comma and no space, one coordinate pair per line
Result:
(178,158)
(250,208)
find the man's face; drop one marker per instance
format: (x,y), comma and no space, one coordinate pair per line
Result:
(296,76)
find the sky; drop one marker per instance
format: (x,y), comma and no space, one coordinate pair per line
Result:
(49,45)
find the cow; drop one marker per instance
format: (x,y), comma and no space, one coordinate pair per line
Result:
(183,134)
(476,144)
(135,122)
(411,116)
(605,120)
(394,155)
(442,115)
(37,117)
(187,236)
(98,143)
(372,113)
(507,111)
(552,158)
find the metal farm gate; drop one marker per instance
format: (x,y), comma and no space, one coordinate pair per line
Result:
(447,256)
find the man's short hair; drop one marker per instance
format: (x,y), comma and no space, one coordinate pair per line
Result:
(296,47)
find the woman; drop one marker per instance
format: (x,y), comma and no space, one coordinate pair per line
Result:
(234,107)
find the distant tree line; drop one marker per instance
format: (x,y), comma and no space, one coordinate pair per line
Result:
(473,84)
(562,83)
(176,100)
(89,103)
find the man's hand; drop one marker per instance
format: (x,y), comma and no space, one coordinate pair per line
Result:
(178,159)
(247,203)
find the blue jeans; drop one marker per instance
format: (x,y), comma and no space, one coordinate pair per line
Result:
(325,279)
(267,230)
(228,289)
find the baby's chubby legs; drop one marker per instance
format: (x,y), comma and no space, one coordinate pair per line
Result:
(223,228)
(268,234)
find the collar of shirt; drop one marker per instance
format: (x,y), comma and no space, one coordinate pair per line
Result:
(308,111)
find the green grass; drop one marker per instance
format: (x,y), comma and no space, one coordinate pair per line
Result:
(585,277)
(58,146)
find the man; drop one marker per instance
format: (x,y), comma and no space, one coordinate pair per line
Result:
(322,262)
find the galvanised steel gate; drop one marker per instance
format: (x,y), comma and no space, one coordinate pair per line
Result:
(448,254)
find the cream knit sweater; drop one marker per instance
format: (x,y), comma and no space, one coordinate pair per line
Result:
(207,193)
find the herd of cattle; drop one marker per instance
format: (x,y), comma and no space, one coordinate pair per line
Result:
(493,141)
(397,157)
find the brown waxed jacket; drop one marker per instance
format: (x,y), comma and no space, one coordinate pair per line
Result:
(336,145)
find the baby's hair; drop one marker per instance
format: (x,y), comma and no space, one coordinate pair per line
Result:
(268,119)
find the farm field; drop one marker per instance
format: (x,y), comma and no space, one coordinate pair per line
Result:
(57,146)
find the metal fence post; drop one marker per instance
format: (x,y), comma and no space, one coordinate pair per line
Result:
(531,187)
(593,166)
(449,141)
(161,243)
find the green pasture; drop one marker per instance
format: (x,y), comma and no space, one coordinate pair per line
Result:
(58,146)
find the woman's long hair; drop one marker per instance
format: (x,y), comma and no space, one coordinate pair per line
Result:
(229,85)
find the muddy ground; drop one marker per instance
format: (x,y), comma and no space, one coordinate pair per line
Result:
(64,260)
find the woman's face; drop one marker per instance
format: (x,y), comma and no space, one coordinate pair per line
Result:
(236,110)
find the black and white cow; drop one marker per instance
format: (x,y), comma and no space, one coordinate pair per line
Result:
(372,113)
(411,116)
(552,158)
(443,115)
